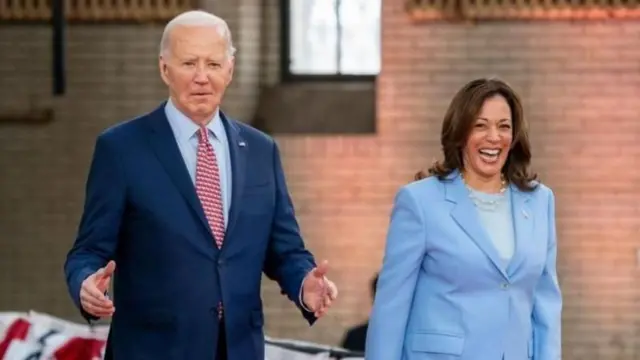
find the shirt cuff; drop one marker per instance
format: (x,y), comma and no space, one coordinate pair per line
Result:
(302,304)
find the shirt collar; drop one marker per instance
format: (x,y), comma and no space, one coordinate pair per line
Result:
(185,128)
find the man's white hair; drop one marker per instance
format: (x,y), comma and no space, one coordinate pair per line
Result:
(197,18)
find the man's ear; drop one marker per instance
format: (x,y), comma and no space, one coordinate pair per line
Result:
(232,64)
(162,64)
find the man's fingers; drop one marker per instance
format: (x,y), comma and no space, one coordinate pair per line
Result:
(110,268)
(98,274)
(106,272)
(95,300)
(95,305)
(90,298)
(327,302)
(91,293)
(98,311)
(90,288)
(324,291)
(103,314)
(103,276)
(321,270)
(333,290)
(103,283)
(324,302)
(320,313)
(329,296)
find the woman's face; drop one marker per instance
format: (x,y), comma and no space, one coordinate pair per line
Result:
(488,144)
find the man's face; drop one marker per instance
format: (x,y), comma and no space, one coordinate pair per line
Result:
(197,70)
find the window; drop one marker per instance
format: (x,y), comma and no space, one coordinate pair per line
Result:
(331,38)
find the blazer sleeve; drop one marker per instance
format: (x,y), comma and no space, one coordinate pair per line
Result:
(404,252)
(287,260)
(547,308)
(97,236)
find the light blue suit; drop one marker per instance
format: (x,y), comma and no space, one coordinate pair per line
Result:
(442,293)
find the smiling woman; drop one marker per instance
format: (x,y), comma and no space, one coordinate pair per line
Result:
(466,274)
(484,135)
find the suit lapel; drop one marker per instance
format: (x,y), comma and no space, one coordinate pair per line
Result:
(238,148)
(523,224)
(166,149)
(465,214)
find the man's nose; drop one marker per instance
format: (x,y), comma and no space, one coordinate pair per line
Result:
(201,76)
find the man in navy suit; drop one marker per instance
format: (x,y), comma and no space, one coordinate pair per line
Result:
(192,206)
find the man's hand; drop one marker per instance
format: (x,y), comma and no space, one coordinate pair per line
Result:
(318,292)
(92,292)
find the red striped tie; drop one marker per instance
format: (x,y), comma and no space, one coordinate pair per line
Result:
(208,186)
(208,189)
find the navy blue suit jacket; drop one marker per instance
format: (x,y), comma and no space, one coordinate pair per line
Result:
(142,211)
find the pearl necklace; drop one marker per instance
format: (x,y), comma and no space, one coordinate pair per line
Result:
(485,204)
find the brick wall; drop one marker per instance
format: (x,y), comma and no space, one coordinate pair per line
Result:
(580,82)
(44,168)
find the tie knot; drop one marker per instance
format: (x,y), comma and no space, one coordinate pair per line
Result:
(203,134)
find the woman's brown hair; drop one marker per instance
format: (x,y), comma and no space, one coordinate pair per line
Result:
(458,123)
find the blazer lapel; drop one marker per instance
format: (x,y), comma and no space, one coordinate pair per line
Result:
(523,225)
(465,214)
(166,149)
(238,148)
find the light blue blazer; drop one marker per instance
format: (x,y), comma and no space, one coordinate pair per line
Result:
(442,294)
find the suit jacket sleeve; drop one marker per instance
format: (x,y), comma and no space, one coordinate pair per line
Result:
(97,236)
(287,260)
(404,252)
(547,306)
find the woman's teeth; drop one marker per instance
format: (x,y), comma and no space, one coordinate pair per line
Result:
(489,155)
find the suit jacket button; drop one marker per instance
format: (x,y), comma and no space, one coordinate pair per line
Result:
(220,262)
(504,286)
